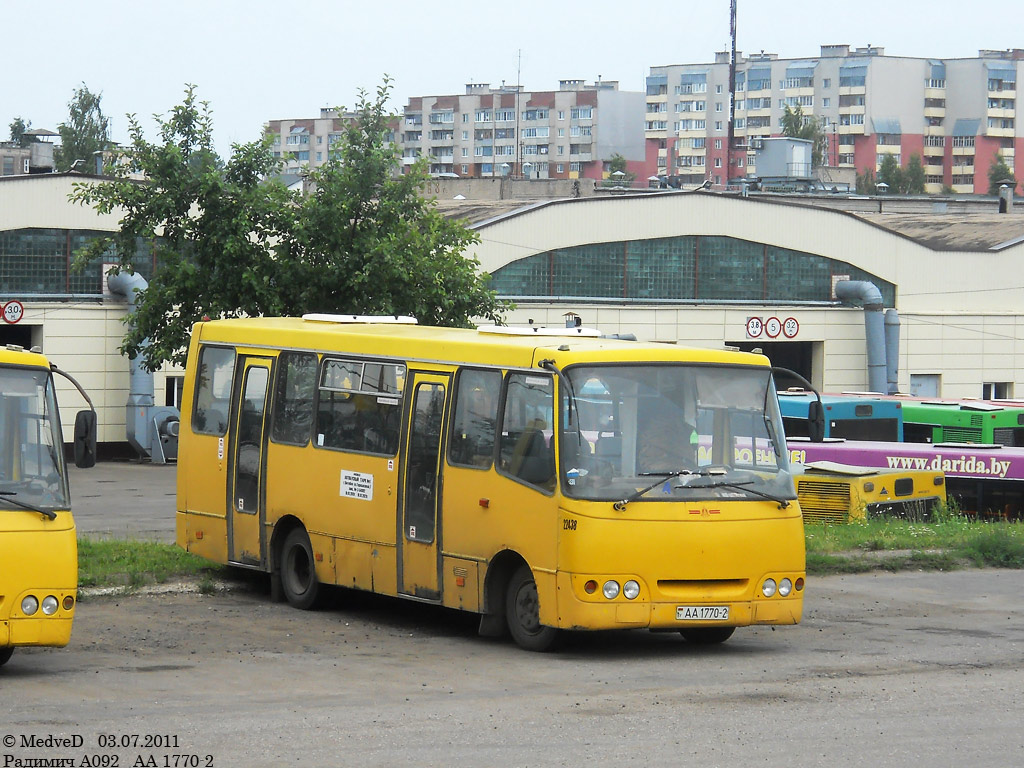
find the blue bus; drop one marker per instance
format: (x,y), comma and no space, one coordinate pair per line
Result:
(852,416)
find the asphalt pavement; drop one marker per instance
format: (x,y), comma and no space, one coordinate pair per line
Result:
(125,500)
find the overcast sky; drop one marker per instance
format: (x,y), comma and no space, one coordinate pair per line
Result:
(256,61)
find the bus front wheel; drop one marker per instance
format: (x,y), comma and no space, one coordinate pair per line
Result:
(298,573)
(707,635)
(522,611)
(5,654)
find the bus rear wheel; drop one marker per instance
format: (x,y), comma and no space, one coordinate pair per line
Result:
(298,573)
(707,635)
(522,611)
(5,654)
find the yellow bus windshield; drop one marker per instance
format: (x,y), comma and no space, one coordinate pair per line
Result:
(32,469)
(713,432)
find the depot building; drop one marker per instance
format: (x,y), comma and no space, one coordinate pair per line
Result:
(805,280)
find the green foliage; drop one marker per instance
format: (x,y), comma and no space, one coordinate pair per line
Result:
(617,164)
(796,125)
(85,133)
(367,241)
(999,172)
(890,173)
(903,181)
(216,226)
(231,241)
(117,563)
(866,182)
(18,128)
(914,176)
(951,541)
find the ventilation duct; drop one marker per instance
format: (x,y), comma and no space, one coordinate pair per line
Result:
(151,430)
(867,295)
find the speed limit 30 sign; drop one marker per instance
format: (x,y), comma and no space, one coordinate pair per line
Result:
(13,312)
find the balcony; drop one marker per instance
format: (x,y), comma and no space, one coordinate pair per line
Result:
(1000,132)
(1001,113)
(938,112)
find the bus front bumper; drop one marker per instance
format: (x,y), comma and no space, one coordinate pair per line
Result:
(620,613)
(51,631)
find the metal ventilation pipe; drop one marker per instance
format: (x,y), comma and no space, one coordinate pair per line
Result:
(867,295)
(892,351)
(150,430)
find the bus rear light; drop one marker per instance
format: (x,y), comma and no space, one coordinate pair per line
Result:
(590,587)
(29,605)
(50,605)
(610,589)
(69,602)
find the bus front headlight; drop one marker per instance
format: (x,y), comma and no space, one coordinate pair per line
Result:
(610,589)
(29,605)
(630,590)
(50,605)
(785,587)
(769,588)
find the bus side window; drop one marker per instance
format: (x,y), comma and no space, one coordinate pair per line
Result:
(526,430)
(359,406)
(293,401)
(216,370)
(476,416)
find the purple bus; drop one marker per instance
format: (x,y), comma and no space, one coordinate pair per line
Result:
(986,480)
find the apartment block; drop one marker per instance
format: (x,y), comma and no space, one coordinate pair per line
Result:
(489,132)
(305,143)
(957,115)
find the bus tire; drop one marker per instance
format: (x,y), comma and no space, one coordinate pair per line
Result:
(522,612)
(707,635)
(5,654)
(298,572)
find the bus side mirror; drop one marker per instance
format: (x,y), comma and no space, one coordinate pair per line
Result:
(85,439)
(816,421)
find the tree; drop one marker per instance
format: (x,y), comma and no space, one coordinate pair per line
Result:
(367,241)
(796,125)
(890,174)
(86,132)
(211,227)
(999,173)
(230,241)
(913,176)
(618,164)
(866,182)
(19,129)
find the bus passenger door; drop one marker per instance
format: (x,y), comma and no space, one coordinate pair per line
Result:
(419,508)
(248,439)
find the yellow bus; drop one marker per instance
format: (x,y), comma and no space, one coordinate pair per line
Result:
(38,548)
(545,479)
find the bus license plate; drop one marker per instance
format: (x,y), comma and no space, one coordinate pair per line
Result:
(702,613)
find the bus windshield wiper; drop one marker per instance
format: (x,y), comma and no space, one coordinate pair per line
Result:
(30,507)
(663,477)
(783,503)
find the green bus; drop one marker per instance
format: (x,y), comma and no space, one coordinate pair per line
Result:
(963,421)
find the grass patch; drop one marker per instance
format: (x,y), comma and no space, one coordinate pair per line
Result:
(951,541)
(133,564)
